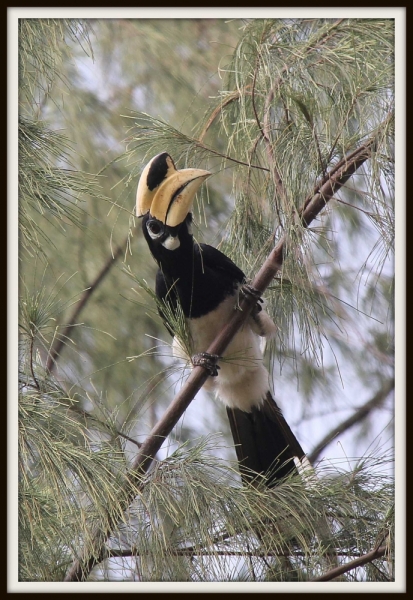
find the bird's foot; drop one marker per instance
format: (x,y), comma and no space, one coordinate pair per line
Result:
(249,290)
(207,361)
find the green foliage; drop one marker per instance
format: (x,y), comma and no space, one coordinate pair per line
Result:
(48,184)
(194,522)
(46,190)
(42,50)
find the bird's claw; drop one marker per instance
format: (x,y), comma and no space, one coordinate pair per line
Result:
(207,361)
(249,290)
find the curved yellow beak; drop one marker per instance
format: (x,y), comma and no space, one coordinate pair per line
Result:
(166,192)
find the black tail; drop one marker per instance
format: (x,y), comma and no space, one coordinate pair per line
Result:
(264,442)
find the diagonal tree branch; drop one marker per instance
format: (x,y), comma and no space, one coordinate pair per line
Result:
(313,205)
(59,344)
(361,413)
(353,564)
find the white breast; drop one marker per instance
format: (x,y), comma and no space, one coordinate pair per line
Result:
(242,381)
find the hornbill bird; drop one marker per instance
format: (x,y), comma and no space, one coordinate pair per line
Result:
(206,285)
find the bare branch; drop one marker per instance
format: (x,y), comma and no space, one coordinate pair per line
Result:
(31,363)
(265,130)
(361,413)
(191,552)
(56,350)
(111,430)
(353,564)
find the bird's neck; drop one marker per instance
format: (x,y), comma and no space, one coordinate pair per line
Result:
(179,262)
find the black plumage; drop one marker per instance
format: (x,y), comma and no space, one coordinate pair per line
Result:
(197,275)
(264,442)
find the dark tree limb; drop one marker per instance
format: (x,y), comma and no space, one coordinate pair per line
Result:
(314,204)
(353,564)
(192,552)
(361,413)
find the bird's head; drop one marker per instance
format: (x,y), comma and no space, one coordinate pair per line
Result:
(164,200)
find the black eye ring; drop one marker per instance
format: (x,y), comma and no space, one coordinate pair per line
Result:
(155,229)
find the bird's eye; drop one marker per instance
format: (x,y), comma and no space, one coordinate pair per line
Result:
(155,229)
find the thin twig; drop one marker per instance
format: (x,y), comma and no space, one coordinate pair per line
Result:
(192,552)
(132,552)
(254,108)
(264,130)
(279,186)
(366,212)
(231,159)
(218,109)
(31,363)
(82,565)
(88,416)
